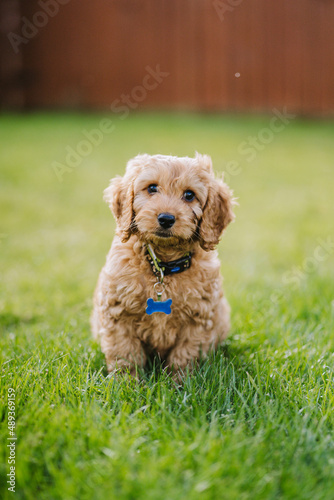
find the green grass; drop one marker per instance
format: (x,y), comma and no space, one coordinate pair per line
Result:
(255,421)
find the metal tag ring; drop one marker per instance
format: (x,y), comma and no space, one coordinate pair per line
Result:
(159,288)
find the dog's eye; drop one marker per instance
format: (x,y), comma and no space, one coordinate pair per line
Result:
(152,188)
(189,195)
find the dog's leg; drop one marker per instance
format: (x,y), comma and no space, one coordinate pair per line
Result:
(185,354)
(197,340)
(122,349)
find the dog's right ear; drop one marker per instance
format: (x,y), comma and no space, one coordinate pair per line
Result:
(120,200)
(217,214)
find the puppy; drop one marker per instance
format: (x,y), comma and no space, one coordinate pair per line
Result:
(160,289)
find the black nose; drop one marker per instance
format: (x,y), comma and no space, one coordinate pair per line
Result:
(166,220)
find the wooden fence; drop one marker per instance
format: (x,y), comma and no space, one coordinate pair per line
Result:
(236,55)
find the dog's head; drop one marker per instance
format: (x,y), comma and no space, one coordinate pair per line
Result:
(170,201)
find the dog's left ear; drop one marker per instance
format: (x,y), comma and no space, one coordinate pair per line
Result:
(217,214)
(119,196)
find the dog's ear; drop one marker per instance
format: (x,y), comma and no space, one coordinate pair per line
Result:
(119,197)
(217,214)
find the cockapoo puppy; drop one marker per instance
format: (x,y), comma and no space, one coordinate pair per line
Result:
(160,289)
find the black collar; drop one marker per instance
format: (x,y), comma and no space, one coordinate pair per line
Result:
(172,267)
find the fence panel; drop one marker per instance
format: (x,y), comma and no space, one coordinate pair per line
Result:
(220,54)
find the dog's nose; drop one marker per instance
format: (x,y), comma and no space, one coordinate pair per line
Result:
(166,220)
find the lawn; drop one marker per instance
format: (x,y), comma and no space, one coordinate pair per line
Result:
(255,421)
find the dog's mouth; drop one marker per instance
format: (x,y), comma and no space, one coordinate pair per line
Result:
(164,237)
(164,233)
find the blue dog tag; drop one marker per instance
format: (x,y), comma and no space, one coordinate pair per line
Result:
(159,306)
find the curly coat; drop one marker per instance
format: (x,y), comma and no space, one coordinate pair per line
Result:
(200,313)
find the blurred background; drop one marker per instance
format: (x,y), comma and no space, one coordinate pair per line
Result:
(221,55)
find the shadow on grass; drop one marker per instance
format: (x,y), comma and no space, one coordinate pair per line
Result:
(228,356)
(10,320)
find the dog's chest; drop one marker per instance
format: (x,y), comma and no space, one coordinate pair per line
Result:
(160,331)
(194,294)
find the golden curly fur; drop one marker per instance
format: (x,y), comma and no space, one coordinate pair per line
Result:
(200,313)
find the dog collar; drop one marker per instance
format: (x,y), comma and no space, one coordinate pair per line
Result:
(173,267)
(160,269)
